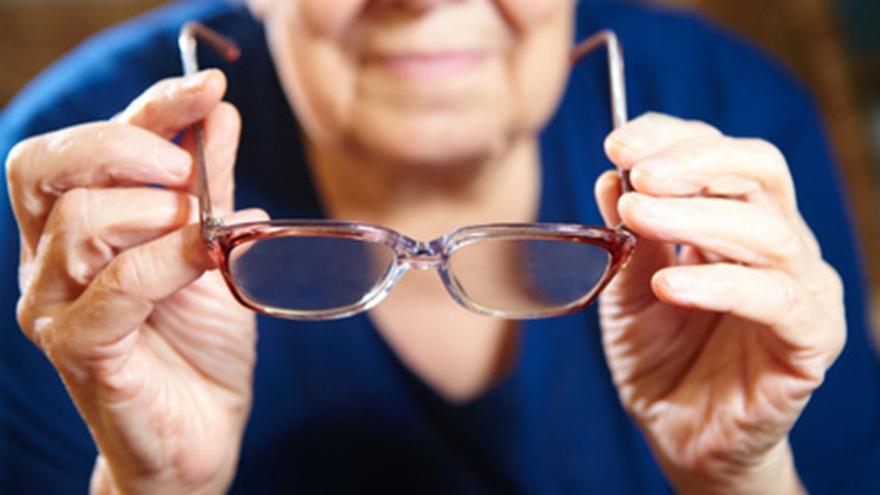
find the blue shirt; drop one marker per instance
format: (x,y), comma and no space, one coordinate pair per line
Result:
(334,409)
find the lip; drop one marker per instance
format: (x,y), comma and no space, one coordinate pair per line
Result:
(430,65)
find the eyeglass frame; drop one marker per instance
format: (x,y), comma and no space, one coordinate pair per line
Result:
(221,239)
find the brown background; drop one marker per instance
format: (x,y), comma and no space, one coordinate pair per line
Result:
(807,35)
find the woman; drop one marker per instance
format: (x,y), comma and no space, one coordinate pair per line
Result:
(426,115)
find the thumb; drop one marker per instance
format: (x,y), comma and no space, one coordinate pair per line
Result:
(631,288)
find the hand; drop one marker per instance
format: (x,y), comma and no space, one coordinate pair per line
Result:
(156,354)
(715,348)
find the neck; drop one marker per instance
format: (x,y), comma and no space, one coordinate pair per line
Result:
(427,201)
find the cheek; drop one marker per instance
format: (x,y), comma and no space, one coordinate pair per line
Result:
(315,73)
(329,18)
(525,14)
(541,62)
(336,100)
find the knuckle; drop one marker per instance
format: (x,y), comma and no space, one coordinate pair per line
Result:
(769,154)
(105,135)
(146,105)
(698,149)
(812,243)
(792,296)
(832,291)
(652,117)
(70,211)
(71,239)
(832,280)
(837,338)
(25,315)
(17,158)
(123,278)
(652,122)
(60,143)
(698,127)
(33,322)
(763,147)
(795,307)
(92,135)
(147,109)
(786,244)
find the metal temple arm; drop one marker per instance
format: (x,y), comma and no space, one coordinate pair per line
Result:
(617,81)
(191,33)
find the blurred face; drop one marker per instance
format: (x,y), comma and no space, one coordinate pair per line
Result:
(420,82)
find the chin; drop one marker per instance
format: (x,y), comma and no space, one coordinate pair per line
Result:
(431,141)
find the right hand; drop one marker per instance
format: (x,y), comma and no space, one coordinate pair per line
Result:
(155,352)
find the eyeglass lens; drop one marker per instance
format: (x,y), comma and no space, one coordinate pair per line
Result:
(527,276)
(309,273)
(508,276)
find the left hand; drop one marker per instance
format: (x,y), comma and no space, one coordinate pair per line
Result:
(716,347)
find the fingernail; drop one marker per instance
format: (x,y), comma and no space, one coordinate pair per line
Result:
(661,174)
(196,81)
(627,198)
(626,143)
(653,217)
(178,163)
(656,168)
(645,205)
(642,179)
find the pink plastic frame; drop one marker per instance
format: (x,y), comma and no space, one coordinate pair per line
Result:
(221,239)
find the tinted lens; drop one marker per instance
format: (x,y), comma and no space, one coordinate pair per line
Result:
(527,277)
(309,273)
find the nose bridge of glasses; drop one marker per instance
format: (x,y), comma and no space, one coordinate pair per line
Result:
(425,256)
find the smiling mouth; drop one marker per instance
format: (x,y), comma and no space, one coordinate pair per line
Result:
(430,66)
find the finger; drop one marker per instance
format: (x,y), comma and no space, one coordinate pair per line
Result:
(222,132)
(732,229)
(631,286)
(749,169)
(124,293)
(768,297)
(40,169)
(649,134)
(689,255)
(172,105)
(608,191)
(717,166)
(86,229)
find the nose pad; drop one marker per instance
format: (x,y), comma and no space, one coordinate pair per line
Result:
(425,257)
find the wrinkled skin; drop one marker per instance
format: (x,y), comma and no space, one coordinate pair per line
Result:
(715,349)
(157,356)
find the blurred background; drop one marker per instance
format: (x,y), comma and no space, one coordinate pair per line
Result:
(832,45)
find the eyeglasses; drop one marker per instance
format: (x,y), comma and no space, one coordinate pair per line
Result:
(324,269)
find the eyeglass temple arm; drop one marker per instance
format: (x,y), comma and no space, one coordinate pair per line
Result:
(191,33)
(619,115)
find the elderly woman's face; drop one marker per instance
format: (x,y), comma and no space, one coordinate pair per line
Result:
(421,81)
